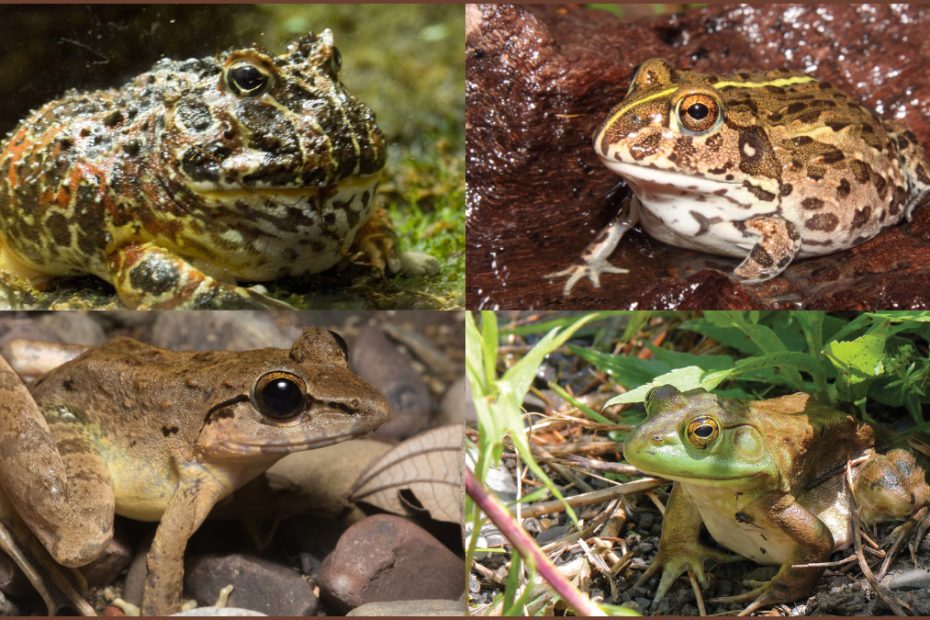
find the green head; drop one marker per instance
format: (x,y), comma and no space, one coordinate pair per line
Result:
(699,438)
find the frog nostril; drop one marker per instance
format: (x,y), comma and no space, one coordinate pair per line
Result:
(657,439)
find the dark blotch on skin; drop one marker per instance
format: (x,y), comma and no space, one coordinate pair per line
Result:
(57,224)
(758,192)
(645,147)
(861,216)
(761,256)
(742,517)
(861,171)
(153,275)
(786,189)
(812,204)
(825,222)
(843,189)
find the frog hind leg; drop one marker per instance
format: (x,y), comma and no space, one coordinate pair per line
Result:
(197,493)
(149,277)
(680,548)
(593,261)
(889,487)
(377,240)
(58,484)
(779,242)
(812,542)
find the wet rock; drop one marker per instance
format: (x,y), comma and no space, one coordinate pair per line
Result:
(258,584)
(377,360)
(541,78)
(908,580)
(73,328)
(313,535)
(326,475)
(387,558)
(230,330)
(425,608)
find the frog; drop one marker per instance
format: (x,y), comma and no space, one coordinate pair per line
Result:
(127,428)
(193,176)
(766,478)
(766,167)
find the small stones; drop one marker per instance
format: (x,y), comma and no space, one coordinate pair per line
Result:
(386,558)
(377,360)
(258,584)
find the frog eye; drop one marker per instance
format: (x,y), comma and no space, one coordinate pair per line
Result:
(279,395)
(341,342)
(703,431)
(248,79)
(698,112)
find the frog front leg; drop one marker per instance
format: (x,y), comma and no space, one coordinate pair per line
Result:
(53,476)
(779,242)
(809,541)
(197,493)
(147,276)
(680,548)
(593,261)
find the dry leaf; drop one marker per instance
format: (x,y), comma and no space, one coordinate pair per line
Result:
(422,473)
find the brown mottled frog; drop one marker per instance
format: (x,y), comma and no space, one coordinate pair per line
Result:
(155,435)
(756,474)
(764,167)
(196,174)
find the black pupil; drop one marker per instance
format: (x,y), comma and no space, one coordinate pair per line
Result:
(698,111)
(704,431)
(248,78)
(281,398)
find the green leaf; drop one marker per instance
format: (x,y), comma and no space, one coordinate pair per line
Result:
(688,378)
(626,370)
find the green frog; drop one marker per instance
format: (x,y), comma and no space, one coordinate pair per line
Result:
(766,478)
(156,435)
(764,167)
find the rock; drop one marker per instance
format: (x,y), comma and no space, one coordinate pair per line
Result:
(377,360)
(387,558)
(219,611)
(456,404)
(540,79)
(325,475)
(230,330)
(116,557)
(912,579)
(73,328)
(421,608)
(138,571)
(419,264)
(314,534)
(258,584)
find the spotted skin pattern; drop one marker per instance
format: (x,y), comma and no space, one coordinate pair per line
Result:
(765,167)
(193,175)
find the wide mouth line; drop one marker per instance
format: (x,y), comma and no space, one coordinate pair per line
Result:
(298,191)
(621,167)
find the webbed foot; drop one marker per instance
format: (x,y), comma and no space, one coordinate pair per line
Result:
(675,560)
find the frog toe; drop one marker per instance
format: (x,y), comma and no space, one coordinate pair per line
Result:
(591,270)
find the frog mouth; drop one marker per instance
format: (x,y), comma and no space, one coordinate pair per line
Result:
(650,175)
(348,184)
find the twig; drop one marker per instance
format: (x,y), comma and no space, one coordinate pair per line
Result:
(594,497)
(526,546)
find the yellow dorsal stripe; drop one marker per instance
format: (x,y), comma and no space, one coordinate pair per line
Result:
(788,81)
(633,104)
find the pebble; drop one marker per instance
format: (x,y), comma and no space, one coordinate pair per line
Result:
(416,608)
(646,519)
(377,360)
(419,264)
(115,558)
(219,611)
(456,407)
(912,579)
(229,330)
(387,558)
(258,584)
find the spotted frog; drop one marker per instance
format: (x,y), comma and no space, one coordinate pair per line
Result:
(155,435)
(767,479)
(765,167)
(196,174)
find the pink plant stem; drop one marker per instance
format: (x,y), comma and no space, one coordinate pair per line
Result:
(526,547)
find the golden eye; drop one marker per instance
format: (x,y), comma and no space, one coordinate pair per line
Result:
(703,431)
(279,395)
(698,112)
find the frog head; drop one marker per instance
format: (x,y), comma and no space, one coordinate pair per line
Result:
(702,439)
(258,123)
(293,400)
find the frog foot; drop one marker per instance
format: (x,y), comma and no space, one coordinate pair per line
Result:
(378,242)
(675,562)
(590,269)
(760,597)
